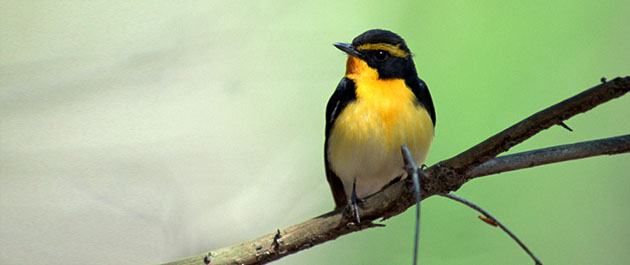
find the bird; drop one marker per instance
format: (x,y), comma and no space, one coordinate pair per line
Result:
(379,105)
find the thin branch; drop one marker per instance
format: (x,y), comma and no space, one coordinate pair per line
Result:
(442,178)
(608,146)
(412,170)
(495,221)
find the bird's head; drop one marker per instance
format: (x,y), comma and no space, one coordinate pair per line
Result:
(380,54)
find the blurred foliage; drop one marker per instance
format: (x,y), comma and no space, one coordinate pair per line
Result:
(488,65)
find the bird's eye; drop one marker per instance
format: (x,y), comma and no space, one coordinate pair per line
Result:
(380,55)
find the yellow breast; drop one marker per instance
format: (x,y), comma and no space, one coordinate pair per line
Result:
(364,143)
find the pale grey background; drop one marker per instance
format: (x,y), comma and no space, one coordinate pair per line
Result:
(141,133)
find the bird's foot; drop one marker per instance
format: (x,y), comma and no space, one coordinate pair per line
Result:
(353,204)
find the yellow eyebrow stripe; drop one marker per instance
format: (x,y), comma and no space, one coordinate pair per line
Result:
(392,49)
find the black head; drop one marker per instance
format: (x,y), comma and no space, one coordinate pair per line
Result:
(384,51)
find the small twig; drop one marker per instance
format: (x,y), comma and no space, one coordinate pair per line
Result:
(564,125)
(412,171)
(208,258)
(486,214)
(277,241)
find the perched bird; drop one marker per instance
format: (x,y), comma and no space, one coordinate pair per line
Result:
(379,105)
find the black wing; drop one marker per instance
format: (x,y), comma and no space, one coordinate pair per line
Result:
(420,89)
(344,94)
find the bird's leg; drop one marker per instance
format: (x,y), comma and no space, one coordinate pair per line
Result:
(353,201)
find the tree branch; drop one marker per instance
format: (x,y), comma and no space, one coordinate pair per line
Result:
(444,177)
(607,146)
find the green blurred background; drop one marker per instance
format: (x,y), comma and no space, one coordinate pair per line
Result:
(135,133)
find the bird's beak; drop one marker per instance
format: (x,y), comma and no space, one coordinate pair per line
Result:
(348,48)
